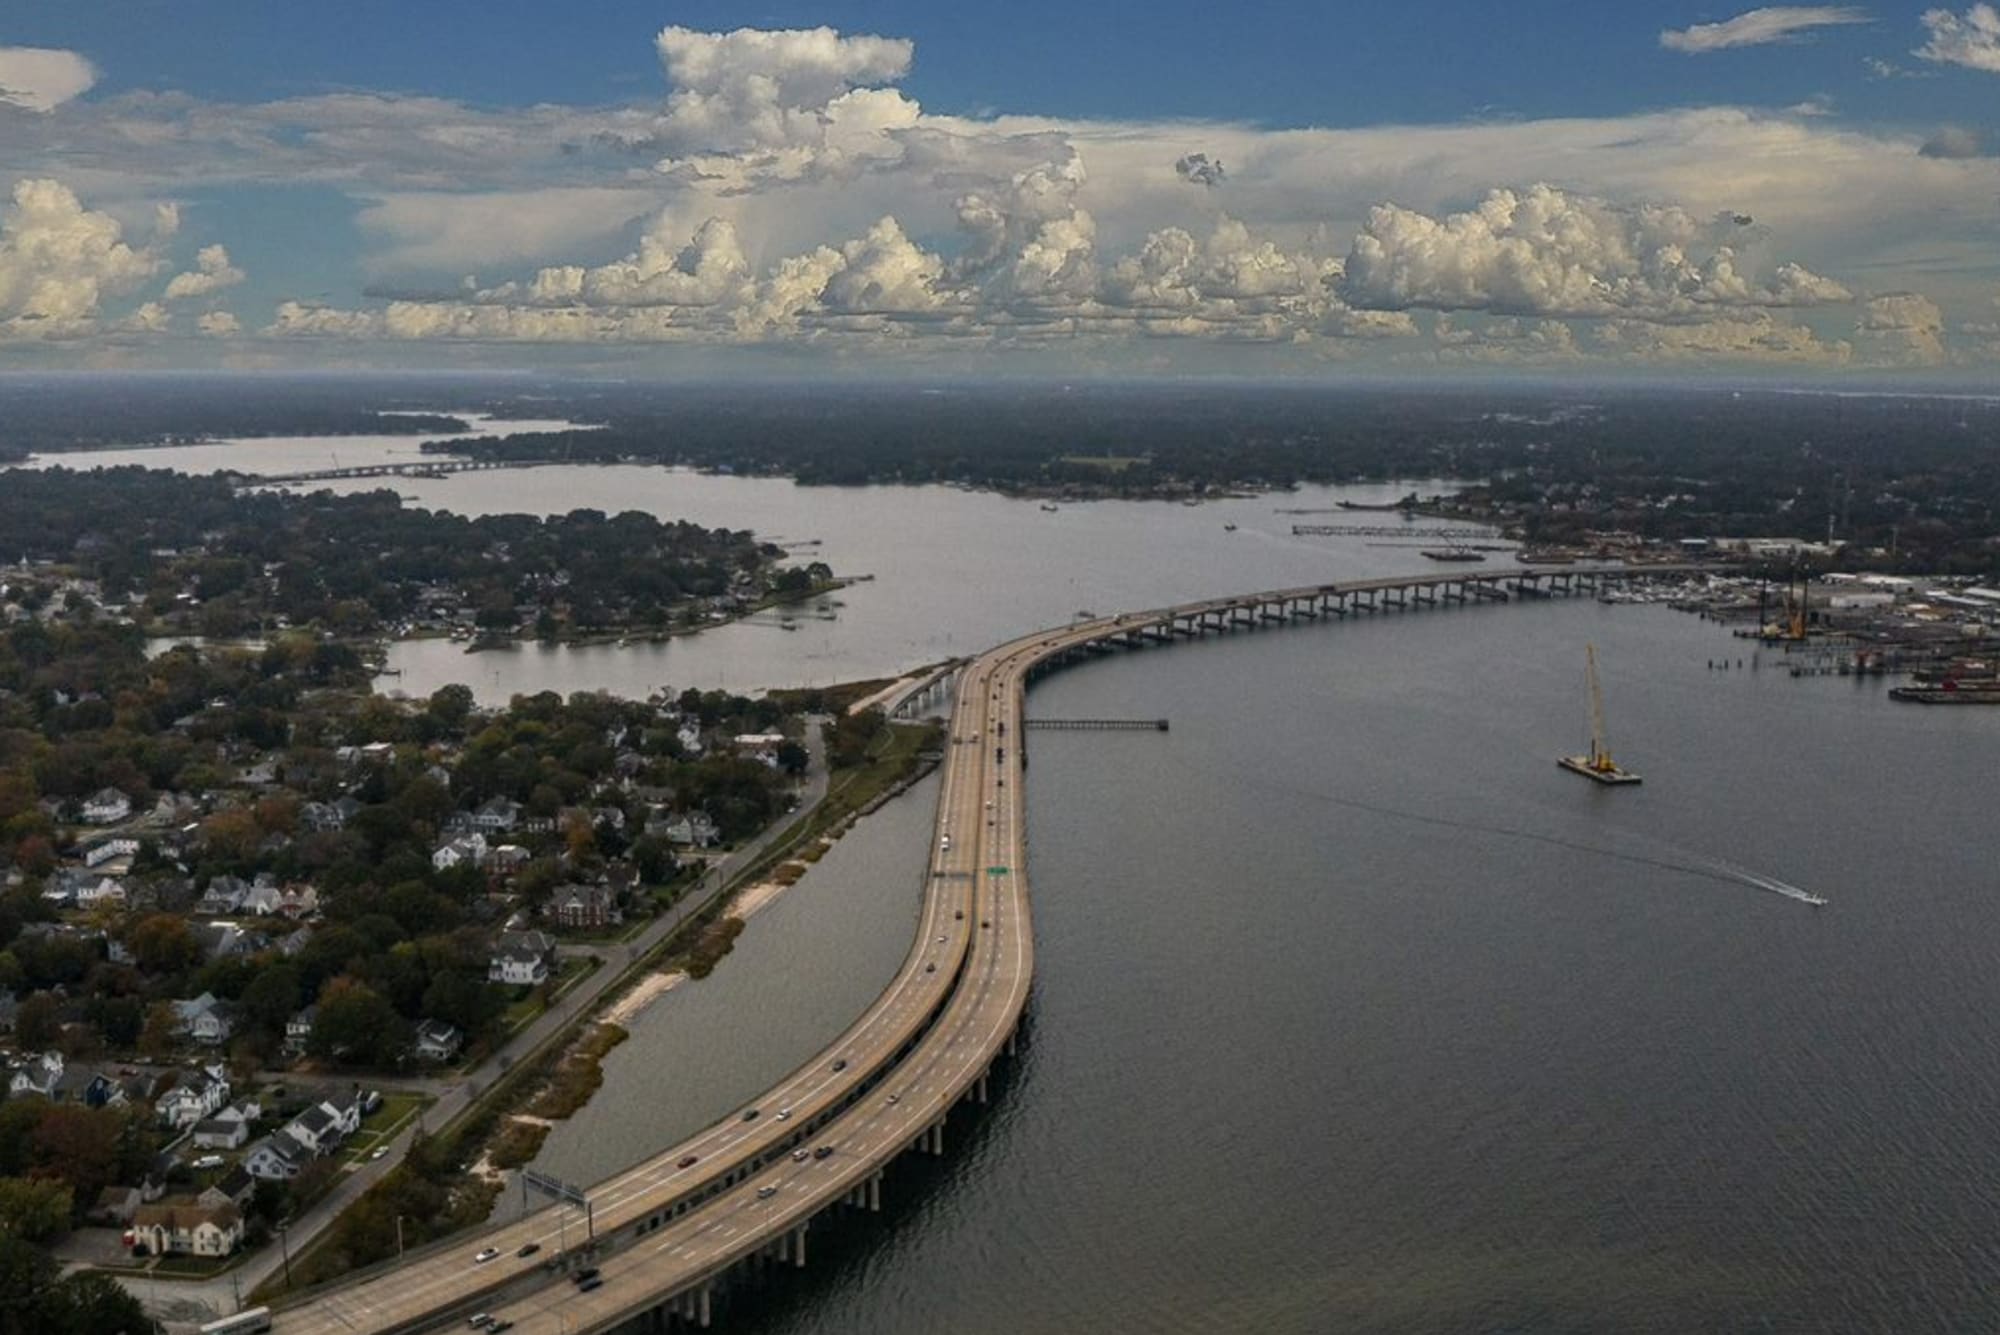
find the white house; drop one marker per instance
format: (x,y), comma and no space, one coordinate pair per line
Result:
(106,850)
(105,890)
(106,806)
(222,1131)
(38,1075)
(438,1041)
(185,1228)
(457,852)
(692,827)
(316,1129)
(497,816)
(299,1029)
(197,1097)
(276,1159)
(520,959)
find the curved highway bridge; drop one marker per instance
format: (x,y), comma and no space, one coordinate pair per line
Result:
(664,1236)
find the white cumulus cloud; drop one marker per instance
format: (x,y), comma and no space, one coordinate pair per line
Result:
(1971,40)
(43,78)
(218,324)
(1901,329)
(1544,251)
(212,273)
(1775,23)
(59,260)
(754,105)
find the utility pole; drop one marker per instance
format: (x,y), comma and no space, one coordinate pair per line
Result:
(285,1249)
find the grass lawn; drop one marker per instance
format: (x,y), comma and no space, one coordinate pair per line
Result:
(385,1123)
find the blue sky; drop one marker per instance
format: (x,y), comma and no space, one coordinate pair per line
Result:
(1418,185)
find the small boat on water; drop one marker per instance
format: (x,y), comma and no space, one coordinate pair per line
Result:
(1047,508)
(1452,554)
(1229,528)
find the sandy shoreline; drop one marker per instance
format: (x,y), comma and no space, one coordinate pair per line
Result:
(643,994)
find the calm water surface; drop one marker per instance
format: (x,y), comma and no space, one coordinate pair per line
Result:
(1354,1013)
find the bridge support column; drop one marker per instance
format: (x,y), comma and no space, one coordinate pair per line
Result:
(875,1194)
(702,1313)
(799,1248)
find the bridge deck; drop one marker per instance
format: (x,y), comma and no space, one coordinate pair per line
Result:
(930,1038)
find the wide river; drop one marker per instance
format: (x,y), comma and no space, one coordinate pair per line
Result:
(1352,1012)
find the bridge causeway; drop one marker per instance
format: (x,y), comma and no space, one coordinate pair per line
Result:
(440,467)
(678,1230)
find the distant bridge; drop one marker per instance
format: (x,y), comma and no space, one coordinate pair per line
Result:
(414,468)
(1390,531)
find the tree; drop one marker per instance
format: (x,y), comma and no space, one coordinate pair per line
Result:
(77,1145)
(89,1303)
(38,1023)
(356,1024)
(792,758)
(34,1208)
(156,1037)
(273,996)
(163,943)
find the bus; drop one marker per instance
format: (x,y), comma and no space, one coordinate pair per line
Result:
(250,1322)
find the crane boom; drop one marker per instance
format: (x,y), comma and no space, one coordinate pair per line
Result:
(1600,755)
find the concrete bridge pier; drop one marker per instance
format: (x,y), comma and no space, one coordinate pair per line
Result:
(875,1194)
(1420,594)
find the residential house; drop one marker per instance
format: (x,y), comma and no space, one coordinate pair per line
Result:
(497,816)
(100,890)
(503,858)
(185,1228)
(689,736)
(197,1097)
(317,1129)
(584,907)
(106,806)
(298,901)
(234,1187)
(205,1019)
(320,818)
(116,1206)
(692,828)
(108,850)
(39,1074)
(221,1132)
(438,1041)
(277,1158)
(468,849)
(520,959)
(219,940)
(299,1029)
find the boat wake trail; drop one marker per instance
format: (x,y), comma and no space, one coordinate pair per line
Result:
(1708,869)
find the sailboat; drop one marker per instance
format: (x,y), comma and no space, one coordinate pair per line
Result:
(1598,765)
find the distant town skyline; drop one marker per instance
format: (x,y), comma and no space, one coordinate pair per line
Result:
(1270,188)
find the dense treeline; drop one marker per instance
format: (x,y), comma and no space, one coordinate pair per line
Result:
(76,412)
(221,561)
(1919,474)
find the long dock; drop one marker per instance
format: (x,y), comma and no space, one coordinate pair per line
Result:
(671,1235)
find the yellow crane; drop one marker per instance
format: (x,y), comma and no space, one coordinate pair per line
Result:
(1598,765)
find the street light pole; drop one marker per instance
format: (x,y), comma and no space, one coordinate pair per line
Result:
(285,1249)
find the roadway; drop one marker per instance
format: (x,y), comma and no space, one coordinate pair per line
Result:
(685,1217)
